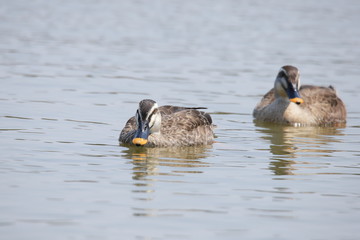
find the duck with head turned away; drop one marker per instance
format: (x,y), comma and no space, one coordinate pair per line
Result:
(292,104)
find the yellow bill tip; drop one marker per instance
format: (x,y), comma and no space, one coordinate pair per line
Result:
(139,141)
(297,100)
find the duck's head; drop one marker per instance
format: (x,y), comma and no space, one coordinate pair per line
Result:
(287,84)
(148,121)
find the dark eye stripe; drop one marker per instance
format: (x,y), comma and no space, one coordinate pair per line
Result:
(153,112)
(283,85)
(138,116)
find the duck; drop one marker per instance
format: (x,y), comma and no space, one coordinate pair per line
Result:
(165,126)
(292,104)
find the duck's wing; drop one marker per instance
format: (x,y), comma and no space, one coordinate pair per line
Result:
(128,132)
(168,109)
(187,127)
(323,103)
(268,98)
(186,120)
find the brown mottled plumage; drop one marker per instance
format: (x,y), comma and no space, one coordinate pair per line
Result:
(169,126)
(314,105)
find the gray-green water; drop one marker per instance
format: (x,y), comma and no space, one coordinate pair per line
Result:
(72,73)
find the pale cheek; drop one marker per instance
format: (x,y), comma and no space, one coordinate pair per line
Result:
(155,124)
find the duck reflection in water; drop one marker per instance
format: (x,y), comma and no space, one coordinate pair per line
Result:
(149,161)
(287,143)
(154,165)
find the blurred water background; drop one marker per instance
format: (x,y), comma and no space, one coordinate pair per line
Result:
(73,72)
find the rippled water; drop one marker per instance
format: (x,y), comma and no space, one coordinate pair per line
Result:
(72,73)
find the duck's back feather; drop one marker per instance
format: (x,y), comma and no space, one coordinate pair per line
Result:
(324,104)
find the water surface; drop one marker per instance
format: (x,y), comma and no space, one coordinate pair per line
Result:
(72,73)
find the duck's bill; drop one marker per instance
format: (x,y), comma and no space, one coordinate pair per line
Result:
(139,141)
(294,95)
(297,100)
(142,134)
